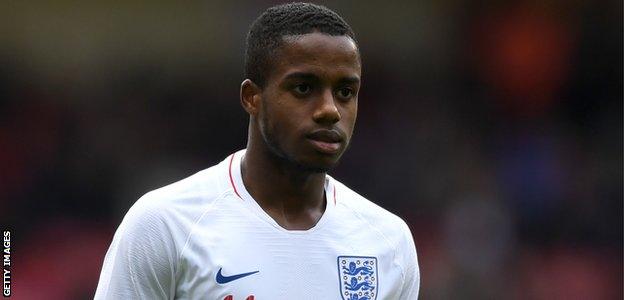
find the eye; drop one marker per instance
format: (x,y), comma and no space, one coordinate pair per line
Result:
(344,93)
(302,89)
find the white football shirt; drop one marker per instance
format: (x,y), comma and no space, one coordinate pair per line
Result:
(205,237)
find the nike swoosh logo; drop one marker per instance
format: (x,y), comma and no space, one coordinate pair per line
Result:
(225,279)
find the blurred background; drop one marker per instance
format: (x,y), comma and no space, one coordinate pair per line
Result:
(494,128)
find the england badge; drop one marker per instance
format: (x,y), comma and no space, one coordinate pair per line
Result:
(358,277)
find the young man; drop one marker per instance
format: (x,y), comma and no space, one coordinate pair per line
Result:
(268,222)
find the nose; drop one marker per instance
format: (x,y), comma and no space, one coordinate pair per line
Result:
(326,112)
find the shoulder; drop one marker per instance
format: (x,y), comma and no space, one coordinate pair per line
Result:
(173,210)
(187,196)
(390,228)
(143,258)
(388,224)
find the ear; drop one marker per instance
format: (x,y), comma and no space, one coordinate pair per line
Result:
(250,97)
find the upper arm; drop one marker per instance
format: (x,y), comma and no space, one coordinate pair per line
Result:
(411,282)
(140,262)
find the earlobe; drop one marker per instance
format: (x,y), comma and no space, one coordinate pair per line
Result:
(250,97)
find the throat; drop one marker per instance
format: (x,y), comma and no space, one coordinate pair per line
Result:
(293,202)
(296,219)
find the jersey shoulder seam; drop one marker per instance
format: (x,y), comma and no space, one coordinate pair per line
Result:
(194,226)
(388,241)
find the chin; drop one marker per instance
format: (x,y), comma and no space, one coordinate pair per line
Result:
(306,161)
(309,168)
(317,165)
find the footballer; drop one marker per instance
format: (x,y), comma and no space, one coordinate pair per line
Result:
(268,223)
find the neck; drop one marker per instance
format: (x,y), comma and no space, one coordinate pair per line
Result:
(293,197)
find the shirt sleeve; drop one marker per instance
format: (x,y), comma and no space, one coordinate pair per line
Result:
(140,262)
(411,282)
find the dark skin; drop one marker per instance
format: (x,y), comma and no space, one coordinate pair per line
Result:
(300,124)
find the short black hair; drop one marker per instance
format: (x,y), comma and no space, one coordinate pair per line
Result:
(267,31)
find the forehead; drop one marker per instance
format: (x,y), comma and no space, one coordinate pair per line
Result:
(318,53)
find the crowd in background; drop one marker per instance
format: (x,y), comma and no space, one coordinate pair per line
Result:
(494,128)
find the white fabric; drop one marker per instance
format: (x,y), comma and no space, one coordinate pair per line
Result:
(174,240)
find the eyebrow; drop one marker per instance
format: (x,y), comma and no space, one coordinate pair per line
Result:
(313,77)
(350,80)
(301,75)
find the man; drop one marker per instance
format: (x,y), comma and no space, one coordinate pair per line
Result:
(268,222)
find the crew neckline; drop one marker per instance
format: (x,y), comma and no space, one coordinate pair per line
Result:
(236,181)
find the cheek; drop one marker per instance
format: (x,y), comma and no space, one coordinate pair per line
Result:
(349,115)
(280,119)
(288,111)
(355,110)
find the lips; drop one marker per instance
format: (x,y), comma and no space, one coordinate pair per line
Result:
(326,141)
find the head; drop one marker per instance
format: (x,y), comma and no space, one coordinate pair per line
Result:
(303,74)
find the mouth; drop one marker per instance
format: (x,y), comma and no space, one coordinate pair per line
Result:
(326,141)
